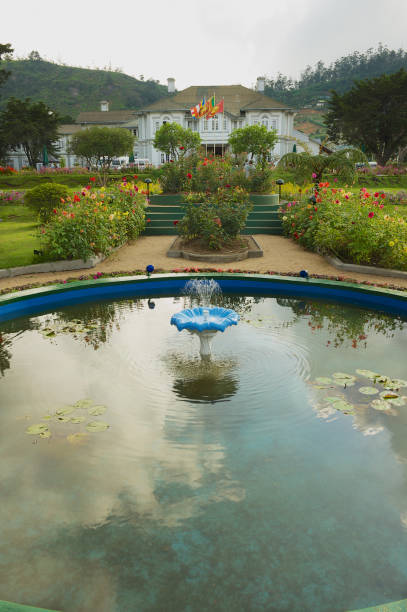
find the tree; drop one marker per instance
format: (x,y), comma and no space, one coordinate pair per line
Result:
(31,125)
(307,166)
(4,50)
(254,139)
(100,145)
(176,141)
(372,115)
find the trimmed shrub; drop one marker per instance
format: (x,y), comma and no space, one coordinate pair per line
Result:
(44,198)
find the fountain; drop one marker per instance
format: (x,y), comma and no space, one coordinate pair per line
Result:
(206,320)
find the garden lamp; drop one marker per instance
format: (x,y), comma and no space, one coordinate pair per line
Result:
(279,182)
(148,181)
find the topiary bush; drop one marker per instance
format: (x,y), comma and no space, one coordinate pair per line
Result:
(44,198)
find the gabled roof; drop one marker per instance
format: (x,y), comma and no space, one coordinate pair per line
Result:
(105,117)
(68,128)
(237,98)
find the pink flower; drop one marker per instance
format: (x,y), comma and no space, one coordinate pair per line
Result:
(314,175)
(381,206)
(371,215)
(335,180)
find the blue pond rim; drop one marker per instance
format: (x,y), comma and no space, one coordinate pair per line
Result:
(50,297)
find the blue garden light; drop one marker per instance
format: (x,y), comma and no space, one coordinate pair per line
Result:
(304,274)
(149,269)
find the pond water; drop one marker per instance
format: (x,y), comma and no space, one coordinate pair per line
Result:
(135,477)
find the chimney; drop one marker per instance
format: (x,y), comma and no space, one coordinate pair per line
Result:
(171,85)
(260,84)
(104,106)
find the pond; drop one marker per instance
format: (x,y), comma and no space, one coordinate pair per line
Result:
(136,476)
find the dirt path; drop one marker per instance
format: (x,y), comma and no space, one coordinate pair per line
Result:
(280,255)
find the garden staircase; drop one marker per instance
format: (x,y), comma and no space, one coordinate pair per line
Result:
(165,210)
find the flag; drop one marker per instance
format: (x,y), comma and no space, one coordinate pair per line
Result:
(195,110)
(202,107)
(210,105)
(218,108)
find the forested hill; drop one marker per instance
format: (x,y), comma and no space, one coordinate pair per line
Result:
(70,90)
(315,84)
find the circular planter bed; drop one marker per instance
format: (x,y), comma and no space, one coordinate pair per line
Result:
(236,251)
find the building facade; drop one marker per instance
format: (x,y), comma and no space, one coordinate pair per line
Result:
(242,107)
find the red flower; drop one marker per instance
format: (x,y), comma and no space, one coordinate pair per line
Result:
(370,215)
(382,195)
(135,176)
(92,178)
(227,185)
(189,175)
(296,236)
(76,198)
(148,220)
(376,195)
(175,222)
(182,148)
(55,211)
(88,186)
(171,161)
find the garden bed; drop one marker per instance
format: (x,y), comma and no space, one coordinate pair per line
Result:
(238,250)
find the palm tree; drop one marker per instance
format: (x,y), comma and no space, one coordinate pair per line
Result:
(343,163)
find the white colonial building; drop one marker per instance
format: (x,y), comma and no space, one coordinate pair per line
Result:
(242,107)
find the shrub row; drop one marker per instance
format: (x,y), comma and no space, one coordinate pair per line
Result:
(357,228)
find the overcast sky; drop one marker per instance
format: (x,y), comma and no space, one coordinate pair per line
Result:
(217,42)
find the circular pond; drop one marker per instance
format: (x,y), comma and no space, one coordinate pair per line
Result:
(135,476)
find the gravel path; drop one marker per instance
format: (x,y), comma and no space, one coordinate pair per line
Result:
(280,255)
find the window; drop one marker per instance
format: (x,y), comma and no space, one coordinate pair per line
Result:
(274,124)
(192,124)
(135,131)
(215,124)
(204,125)
(225,124)
(265,122)
(157,126)
(162,158)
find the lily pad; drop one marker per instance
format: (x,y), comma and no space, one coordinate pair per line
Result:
(368,390)
(63,419)
(397,401)
(368,374)
(84,403)
(323,380)
(97,410)
(380,404)
(342,382)
(47,417)
(343,376)
(343,406)
(96,426)
(77,438)
(35,430)
(45,434)
(66,410)
(78,420)
(394,384)
(333,399)
(388,395)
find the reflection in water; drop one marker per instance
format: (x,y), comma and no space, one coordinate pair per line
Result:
(203,380)
(186,503)
(341,323)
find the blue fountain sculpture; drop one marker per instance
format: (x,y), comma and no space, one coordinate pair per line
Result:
(205,322)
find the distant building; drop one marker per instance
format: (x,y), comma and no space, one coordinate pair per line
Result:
(242,107)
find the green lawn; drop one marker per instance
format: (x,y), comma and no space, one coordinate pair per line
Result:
(18,238)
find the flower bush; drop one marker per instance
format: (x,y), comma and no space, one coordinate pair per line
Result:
(200,173)
(94,221)
(10,196)
(358,228)
(7,170)
(217,218)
